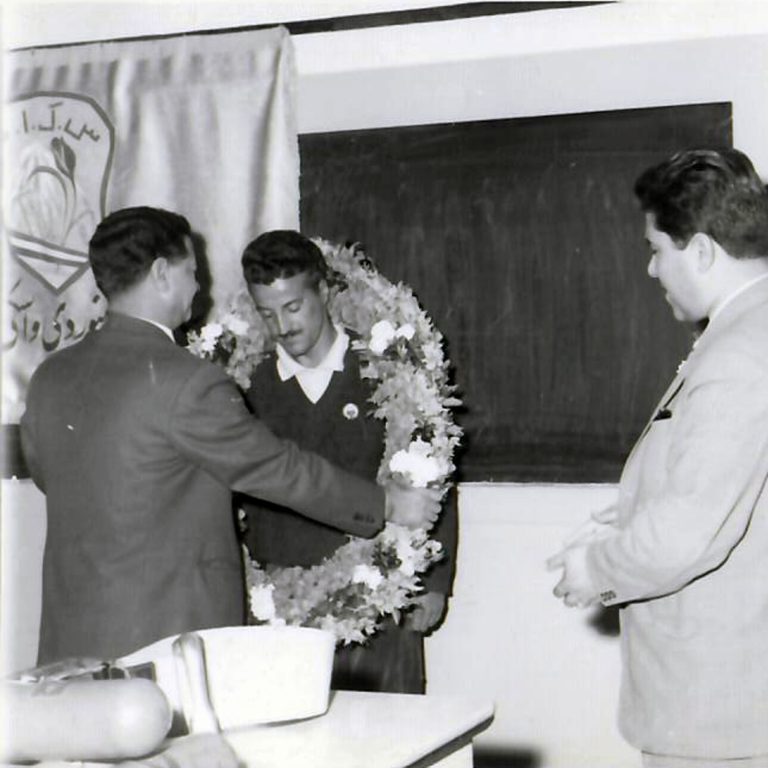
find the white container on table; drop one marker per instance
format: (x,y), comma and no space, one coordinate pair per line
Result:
(253,674)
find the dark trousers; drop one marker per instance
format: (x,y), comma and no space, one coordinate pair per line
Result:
(392,661)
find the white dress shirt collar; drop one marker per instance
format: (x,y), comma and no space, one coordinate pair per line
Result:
(314,381)
(164,328)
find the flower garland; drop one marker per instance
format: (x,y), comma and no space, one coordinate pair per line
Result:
(401,351)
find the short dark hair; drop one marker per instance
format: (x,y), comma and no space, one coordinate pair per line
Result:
(282,253)
(716,192)
(128,241)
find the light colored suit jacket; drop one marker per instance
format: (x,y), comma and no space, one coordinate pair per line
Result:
(136,444)
(690,560)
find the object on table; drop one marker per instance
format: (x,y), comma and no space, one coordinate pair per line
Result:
(253,674)
(82,719)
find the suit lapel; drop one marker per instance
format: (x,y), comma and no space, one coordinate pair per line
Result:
(751,298)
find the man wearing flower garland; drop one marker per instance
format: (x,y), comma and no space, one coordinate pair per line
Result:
(683,553)
(311,391)
(137,445)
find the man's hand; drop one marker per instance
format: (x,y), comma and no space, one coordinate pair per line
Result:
(426,612)
(599,525)
(575,586)
(412,507)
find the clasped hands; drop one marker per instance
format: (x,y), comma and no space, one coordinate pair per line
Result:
(412,507)
(576,587)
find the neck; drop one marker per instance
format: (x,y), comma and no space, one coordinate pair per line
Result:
(137,304)
(730,282)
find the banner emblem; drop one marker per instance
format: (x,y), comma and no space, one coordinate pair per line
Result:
(62,154)
(60,150)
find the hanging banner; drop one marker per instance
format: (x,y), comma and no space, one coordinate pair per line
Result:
(203,125)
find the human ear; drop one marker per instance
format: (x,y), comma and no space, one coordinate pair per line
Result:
(705,251)
(159,272)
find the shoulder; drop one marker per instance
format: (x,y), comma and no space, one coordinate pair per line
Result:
(191,372)
(56,366)
(738,351)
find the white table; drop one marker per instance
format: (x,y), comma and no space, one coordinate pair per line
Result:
(370,730)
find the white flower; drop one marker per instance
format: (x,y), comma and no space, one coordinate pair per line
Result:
(209,335)
(236,324)
(433,355)
(407,557)
(368,575)
(417,464)
(262,604)
(382,335)
(405,332)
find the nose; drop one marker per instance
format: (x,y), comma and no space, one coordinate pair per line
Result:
(281,324)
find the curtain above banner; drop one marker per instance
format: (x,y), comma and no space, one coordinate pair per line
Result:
(203,125)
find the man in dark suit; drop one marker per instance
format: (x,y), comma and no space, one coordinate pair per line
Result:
(137,445)
(310,391)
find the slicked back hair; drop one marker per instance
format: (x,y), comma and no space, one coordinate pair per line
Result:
(128,241)
(282,253)
(714,192)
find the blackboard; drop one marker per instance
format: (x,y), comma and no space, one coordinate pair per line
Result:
(524,242)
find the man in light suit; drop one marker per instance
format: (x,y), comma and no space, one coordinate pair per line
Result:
(137,445)
(310,391)
(685,552)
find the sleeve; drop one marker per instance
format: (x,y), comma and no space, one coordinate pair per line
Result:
(440,576)
(211,426)
(713,474)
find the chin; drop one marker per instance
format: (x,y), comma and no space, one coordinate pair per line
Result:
(680,314)
(295,350)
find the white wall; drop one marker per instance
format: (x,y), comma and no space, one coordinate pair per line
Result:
(22,536)
(553,677)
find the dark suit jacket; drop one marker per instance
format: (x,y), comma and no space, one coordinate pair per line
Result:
(136,444)
(278,536)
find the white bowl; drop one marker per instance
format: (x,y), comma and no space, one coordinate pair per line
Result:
(254,674)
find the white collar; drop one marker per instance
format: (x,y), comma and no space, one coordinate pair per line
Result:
(164,328)
(314,381)
(721,306)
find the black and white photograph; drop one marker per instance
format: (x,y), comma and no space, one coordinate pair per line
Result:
(384,384)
